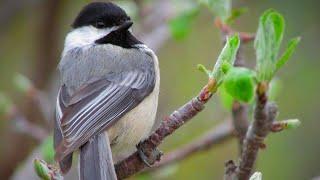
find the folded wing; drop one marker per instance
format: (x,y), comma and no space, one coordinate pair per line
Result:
(97,105)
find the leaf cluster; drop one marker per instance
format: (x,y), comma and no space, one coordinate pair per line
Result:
(240,83)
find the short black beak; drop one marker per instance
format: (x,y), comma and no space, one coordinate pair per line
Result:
(125,26)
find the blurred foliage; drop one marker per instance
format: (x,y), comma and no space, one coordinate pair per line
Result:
(47,150)
(236,13)
(181,25)
(221,8)
(5,104)
(22,83)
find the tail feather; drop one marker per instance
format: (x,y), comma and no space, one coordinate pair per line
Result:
(96,159)
(65,164)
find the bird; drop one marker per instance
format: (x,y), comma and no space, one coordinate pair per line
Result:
(108,95)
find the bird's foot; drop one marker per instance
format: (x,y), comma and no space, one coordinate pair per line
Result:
(150,158)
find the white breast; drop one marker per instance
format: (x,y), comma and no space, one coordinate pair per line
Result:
(136,125)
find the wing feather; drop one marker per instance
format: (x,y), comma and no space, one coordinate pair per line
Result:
(97,105)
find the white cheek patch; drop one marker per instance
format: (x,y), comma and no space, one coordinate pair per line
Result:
(84,36)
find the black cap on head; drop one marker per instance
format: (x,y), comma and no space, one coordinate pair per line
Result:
(101,15)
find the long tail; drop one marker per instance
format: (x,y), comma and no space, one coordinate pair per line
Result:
(96,159)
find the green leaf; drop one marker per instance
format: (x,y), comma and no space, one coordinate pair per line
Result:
(225,98)
(22,83)
(256,176)
(180,26)
(220,8)
(227,55)
(41,169)
(47,150)
(288,52)
(267,43)
(236,13)
(239,83)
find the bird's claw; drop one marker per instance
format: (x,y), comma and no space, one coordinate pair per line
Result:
(154,156)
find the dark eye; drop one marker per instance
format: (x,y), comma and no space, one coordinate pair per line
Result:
(100,24)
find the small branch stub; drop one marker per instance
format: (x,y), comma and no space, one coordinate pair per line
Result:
(226,31)
(283,125)
(46,171)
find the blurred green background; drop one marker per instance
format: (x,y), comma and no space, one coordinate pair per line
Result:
(31,45)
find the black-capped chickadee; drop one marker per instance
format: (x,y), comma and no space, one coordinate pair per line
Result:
(109,92)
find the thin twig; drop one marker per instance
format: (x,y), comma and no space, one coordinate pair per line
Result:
(217,135)
(226,30)
(230,170)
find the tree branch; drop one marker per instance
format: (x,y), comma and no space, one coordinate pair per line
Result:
(133,164)
(24,126)
(240,121)
(264,115)
(217,135)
